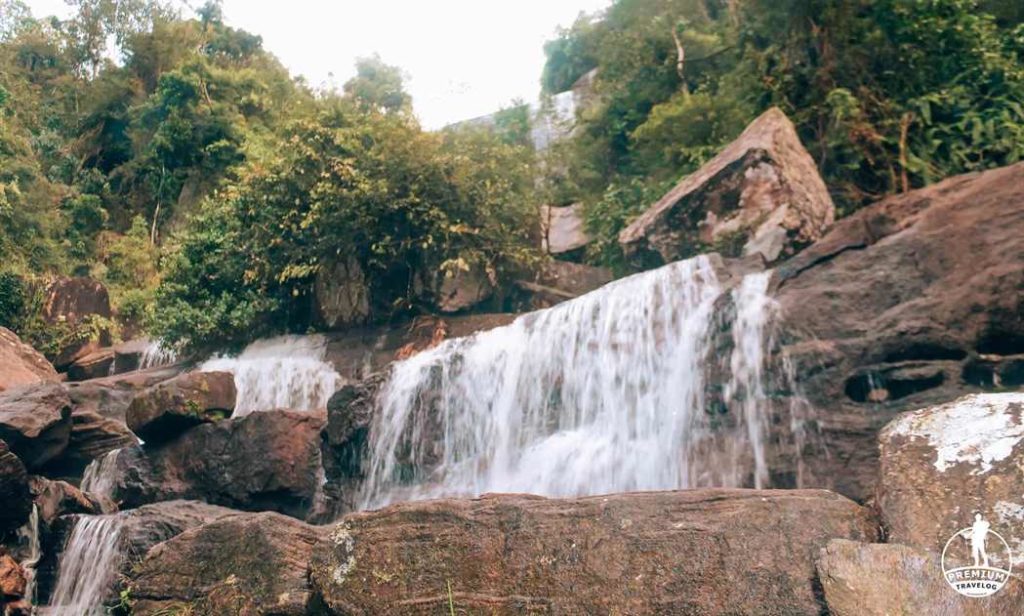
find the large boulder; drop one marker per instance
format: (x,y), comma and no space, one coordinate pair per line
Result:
(166,410)
(342,294)
(349,414)
(464,289)
(92,435)
(262,461)
(563,228)
(255,564)
(913,301)
(688,552)
(761,195)
(878,579)
(941,465)
(14,491)
(70,301)
(110,396)
(558,281)
(21,365)
(36,422)
(58,498)
(95,365)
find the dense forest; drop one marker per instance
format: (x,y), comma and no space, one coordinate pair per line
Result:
(173,158)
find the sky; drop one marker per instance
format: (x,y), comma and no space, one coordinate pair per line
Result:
(461,58)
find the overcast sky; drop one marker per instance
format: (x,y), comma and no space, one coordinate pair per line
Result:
(462,58)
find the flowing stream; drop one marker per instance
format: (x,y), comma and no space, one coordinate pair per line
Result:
(605,393)
(283,373)
(89,566)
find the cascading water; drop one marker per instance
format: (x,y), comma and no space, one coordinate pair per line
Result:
(28,536)
(288,372)
(100,475)
(156,354)
(88,566)
(604,393)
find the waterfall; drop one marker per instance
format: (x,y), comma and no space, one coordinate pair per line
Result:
(100,475)
(89,566)
(288,372)
(604,393)
(156,354)
(29,534)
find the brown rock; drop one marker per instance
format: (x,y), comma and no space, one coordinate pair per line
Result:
(92,366)
(166,410)
(464,289)
(761,194)
(14,491)
(558,281)
(12,578)
(92,435)
(942,465)
(35,422)
(342,294)
(262,461)
(57,498)
(70,301)
(110,396)
(862,579)
(688,552)
(892,310)
(563,228)
(252,564)
(21,365)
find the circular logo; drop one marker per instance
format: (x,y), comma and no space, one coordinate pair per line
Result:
(970,568)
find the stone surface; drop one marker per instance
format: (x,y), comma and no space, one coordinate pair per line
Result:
(12,579)
(35,422)
(562,228)
(688,552)
(254,564)
(558,281)
(57,498)
(761,194)
(164,411)
(111,396)
(15,497)
(70,301)
(20,364)
(862,579)
(907,303)
(941,465)
(349,413)
(262,461)
(92,366)
(462,290)
(342,295)
(92,435)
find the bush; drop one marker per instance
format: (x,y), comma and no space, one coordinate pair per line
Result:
(12,300)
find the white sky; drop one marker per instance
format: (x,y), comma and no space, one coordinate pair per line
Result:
(462,58)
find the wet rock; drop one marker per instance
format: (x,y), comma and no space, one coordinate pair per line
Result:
(342,294)
(240,564)
(464,289)
(761,194)
(349,414)
(166,410)
(92,435)
(35,422)
(687,552)
(862,579)
(57,498)
(92,366)
(563,228)
(70,301)
(262,461)
(12,579)
(890,311)
(111,396)
(941,465)
(14,491)
(558,281)
(21,365)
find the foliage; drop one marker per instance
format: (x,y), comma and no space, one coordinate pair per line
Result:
(12,300)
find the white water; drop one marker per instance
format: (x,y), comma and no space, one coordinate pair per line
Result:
(156,354)
(89,566)
(29,534)
(287,372)
(101,474)
(605,393)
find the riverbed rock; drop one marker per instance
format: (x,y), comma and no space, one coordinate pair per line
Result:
(559,281)
(93,365)
(943,464)
(14,491)
(894,309)
(463,289)
(262,461)
(709,551)
(21,365)
(110,396)
(761,195)
(12,579)
(71,301)
(58,498)
(563,229)
(880,579)
(92,435)
(35,422)
(164,411)
(255,564)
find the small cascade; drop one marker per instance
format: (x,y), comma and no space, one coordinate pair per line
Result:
(101,474)
(28,536)
(156,354)
(89,567)
(605,393)
(287,372)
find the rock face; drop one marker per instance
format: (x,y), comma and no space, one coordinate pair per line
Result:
(12,579)
(14,491)
(263,461)
(20,364)
(92,435)
(255,564)
(35,422)
(463,290)
(558,281)
(342,295)
(761,194)
(861,579)
(563,228)
(166,410)
(690,552)
(57,498)
(92,366)
(71,300)
(111,396)
(943,464)
(909,302)
(349,414)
